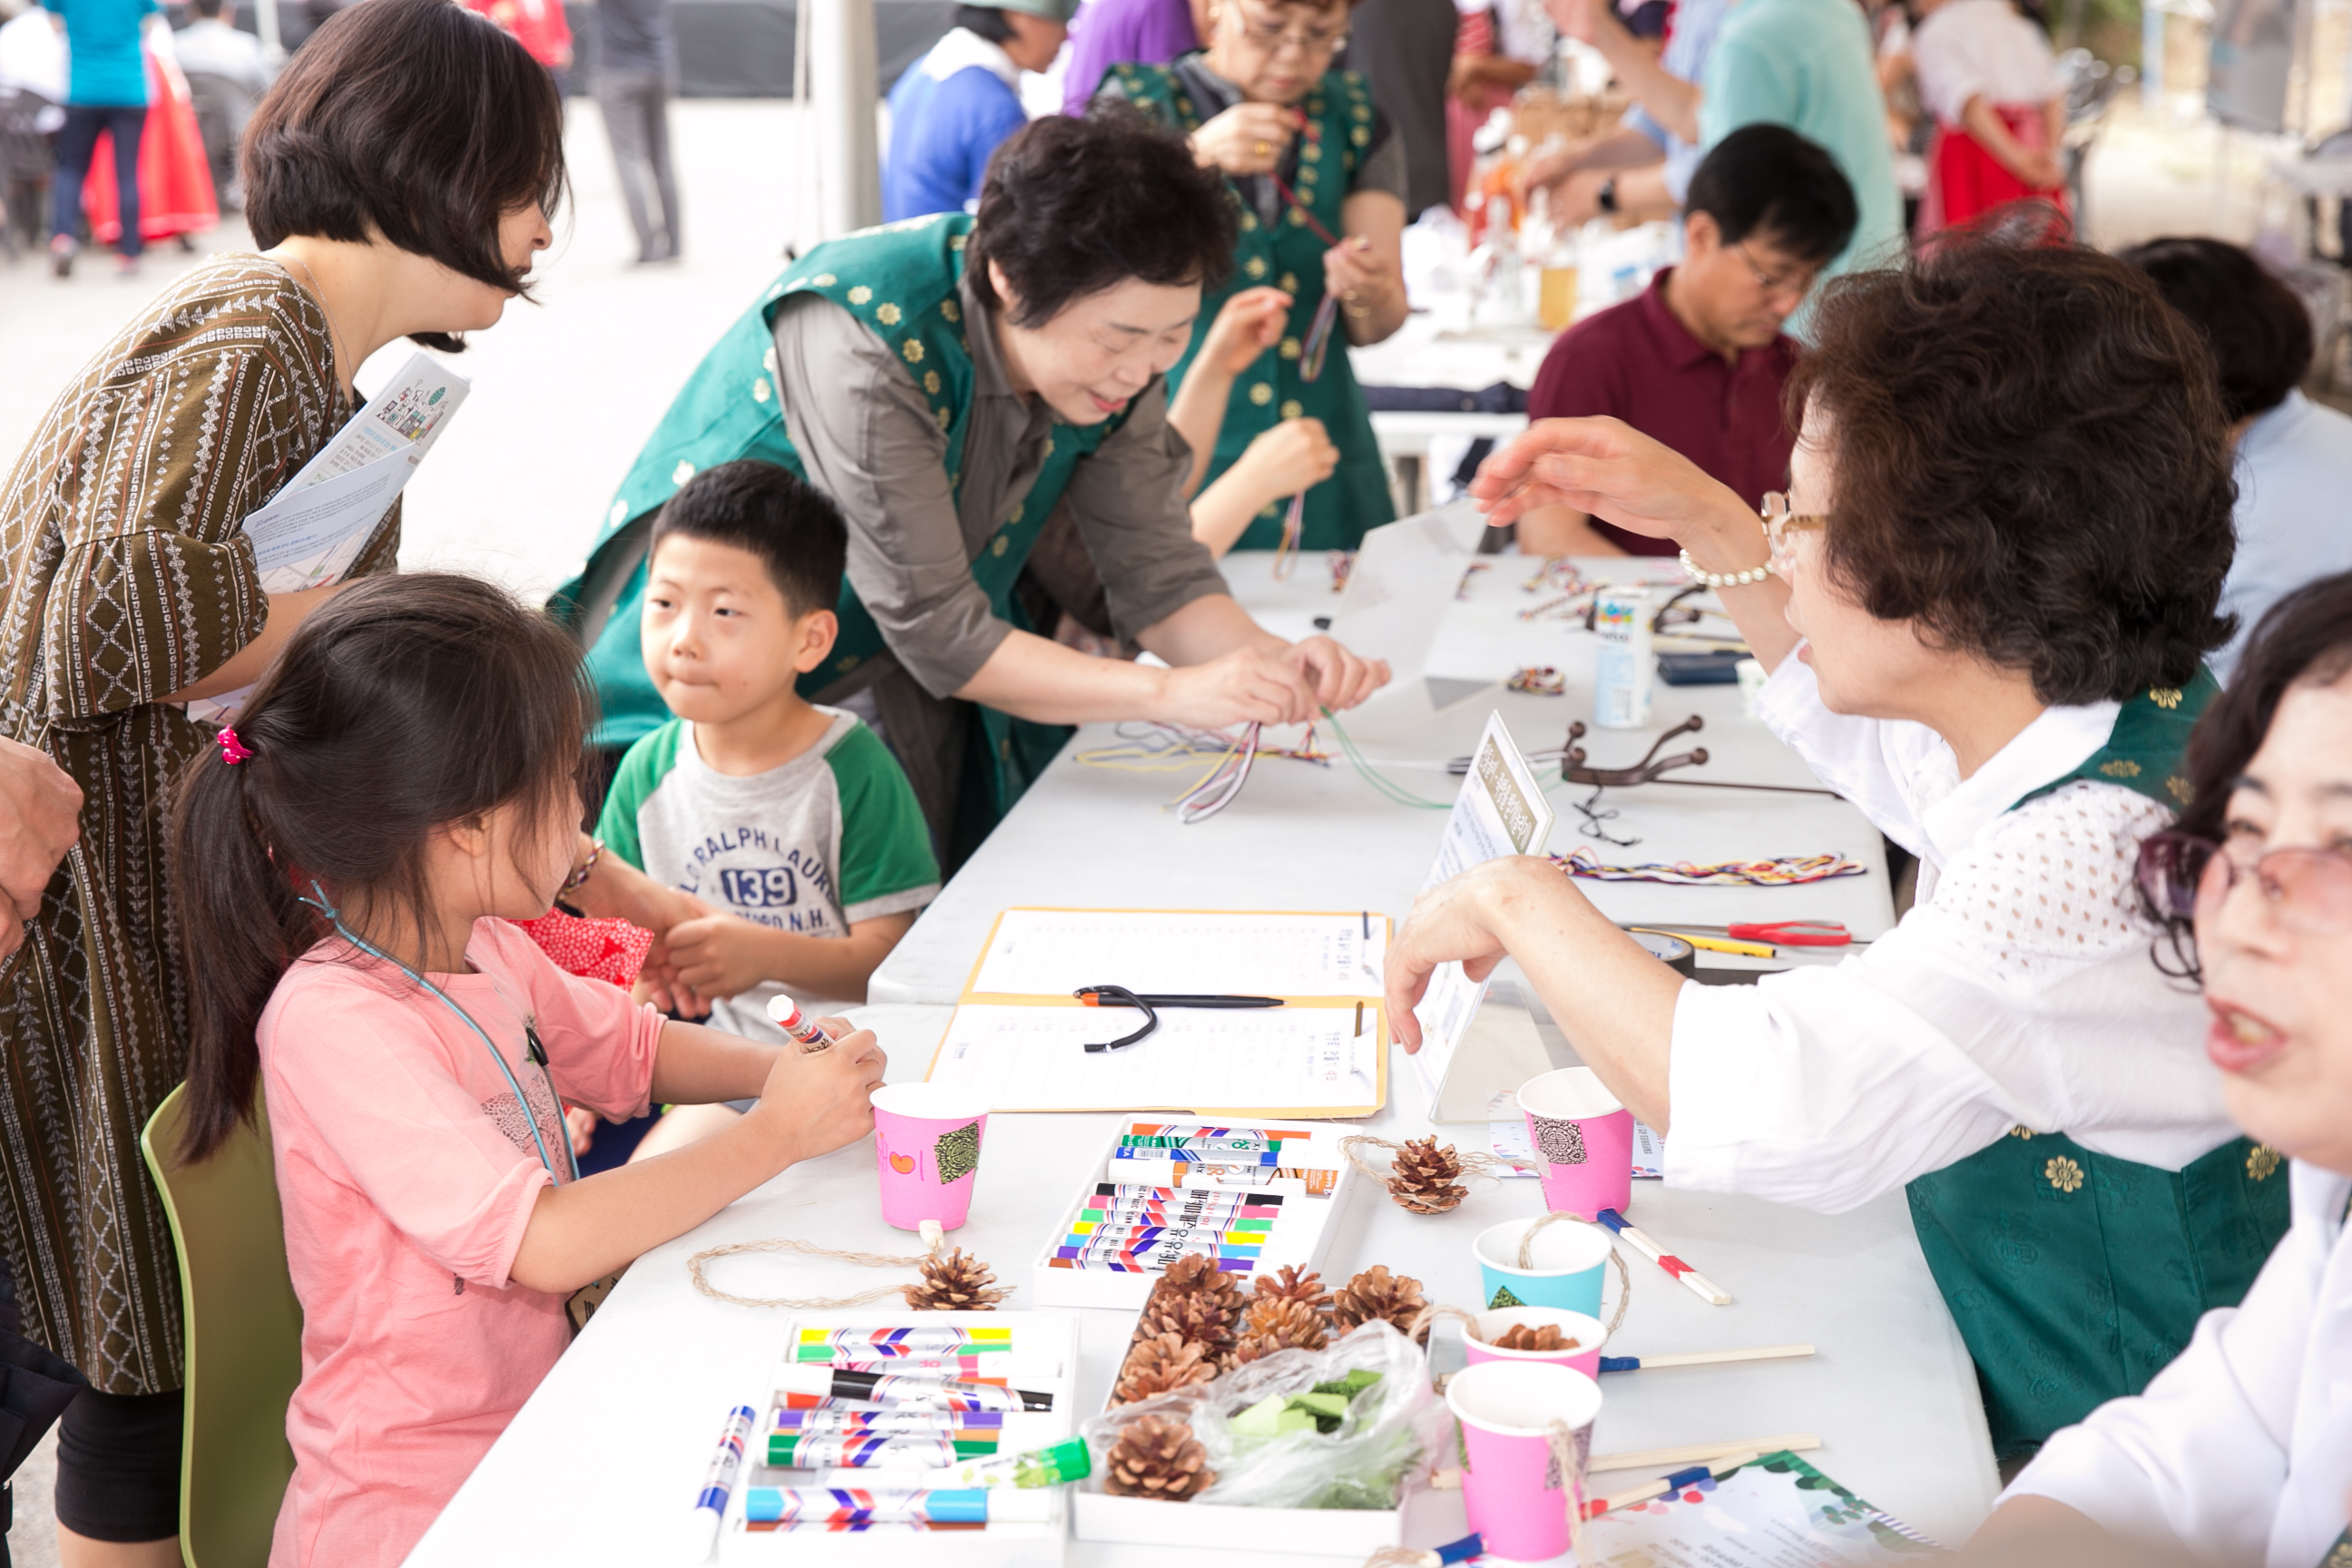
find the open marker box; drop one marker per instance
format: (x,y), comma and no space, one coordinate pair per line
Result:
(1041,1362)
(1271,1189)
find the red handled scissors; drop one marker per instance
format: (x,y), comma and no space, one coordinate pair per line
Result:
(1783,933)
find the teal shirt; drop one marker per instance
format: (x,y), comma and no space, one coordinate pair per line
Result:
(1808,64)
(102,38)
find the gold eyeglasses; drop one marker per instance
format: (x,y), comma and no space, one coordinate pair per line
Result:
(1795,283)
(1271,37)
(1782,526)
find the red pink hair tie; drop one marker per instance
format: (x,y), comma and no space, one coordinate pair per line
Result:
(233,751)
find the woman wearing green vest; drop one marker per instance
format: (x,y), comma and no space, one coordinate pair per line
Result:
(951,381)
(1308,160)
(1983,603)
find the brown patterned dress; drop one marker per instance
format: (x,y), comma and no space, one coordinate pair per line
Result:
(128,577)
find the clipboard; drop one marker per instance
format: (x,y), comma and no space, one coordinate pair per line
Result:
(1018,1034)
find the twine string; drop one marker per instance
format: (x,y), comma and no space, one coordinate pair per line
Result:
(1473,1163)
(695,1266)
(1569,1456)
(1624,1275)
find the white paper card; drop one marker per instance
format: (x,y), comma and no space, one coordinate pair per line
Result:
(1502,810)
(310,531)
(1052,953)
(1035,1058)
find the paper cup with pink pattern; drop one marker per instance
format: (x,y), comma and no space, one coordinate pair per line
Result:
(1515,1487)
(1583,1142)
(926,1150)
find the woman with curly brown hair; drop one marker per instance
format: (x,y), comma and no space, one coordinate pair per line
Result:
(1983,603)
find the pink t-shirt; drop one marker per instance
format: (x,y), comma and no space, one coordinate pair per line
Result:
(408,1173)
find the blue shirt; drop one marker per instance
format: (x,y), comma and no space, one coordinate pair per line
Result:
(102,38)
(1696,24)
(942,132)
(1808,64)
(2295,470)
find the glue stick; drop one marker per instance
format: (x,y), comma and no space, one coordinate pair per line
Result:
(791,1021)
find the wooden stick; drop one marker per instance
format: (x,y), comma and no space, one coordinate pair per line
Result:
(1717,1469)
(1706,1290)
(1708,1358)
(1695,1453)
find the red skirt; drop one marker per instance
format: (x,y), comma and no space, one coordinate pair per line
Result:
(1965,182)
(175,183)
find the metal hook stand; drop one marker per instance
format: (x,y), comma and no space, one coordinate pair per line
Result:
(1575,769)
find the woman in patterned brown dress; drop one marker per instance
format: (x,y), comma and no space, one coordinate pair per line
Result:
(400,174)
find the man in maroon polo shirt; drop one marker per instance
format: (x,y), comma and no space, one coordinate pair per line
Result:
(1698,359)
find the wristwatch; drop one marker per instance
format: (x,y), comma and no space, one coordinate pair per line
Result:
(1606,200)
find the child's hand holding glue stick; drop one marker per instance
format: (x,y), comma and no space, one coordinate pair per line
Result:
(811,1034)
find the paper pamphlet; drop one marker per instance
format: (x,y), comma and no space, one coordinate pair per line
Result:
(1019,1036)
(310,531)
(1502,810)
(1778,1512)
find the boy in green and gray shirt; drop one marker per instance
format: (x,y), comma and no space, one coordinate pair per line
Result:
(792,823)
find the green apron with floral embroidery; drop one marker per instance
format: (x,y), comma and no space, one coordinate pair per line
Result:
(2077,1277)
(1289,255)
(899,281)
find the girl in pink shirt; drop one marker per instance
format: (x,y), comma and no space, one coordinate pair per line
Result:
(401,785)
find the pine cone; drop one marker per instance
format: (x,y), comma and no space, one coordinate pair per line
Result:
(1276,1324)
(1521,1336)
(1203,1318)
(1423,1176)
(1288,1284)
(1377,1293)
(1155,1458)
(1198,1271)
(1160,1364)
(955,1283)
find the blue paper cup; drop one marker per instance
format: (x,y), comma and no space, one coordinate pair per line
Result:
(1564,1265)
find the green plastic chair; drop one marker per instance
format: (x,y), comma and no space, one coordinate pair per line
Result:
(244,1337)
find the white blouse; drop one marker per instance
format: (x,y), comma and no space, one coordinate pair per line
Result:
(2019,990)
(1968,47)
(2242,1448)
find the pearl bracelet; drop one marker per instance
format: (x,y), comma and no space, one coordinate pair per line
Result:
(1724,579)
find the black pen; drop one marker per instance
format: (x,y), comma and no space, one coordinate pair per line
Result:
(1094,997)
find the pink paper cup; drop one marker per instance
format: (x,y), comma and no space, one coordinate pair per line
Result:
(927,1150)
(1512,1485)
(1589,1333)
(1583,1138)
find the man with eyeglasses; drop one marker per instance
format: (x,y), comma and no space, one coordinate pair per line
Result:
(1697,361)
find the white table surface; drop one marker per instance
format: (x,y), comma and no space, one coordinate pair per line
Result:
(603,1462)
(1426,353)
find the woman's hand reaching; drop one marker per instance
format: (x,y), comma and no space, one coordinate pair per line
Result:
(1247,138)
(1249,323)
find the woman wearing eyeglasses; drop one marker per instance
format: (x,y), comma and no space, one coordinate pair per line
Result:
(1308,160)
(1983,605)
(2241,1450)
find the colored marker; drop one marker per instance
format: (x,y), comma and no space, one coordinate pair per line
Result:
(710,1503)
(1020,1367)
(804,1387)
(827,1344)
(1065,1461)
(872,1451)
(1320,1180)
(1124,1190)
(856,1505)
(889,1418)
(1233,1233)
(800,1026)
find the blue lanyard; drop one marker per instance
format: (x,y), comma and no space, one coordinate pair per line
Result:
(529,1117)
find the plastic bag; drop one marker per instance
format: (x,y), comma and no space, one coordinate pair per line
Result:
(1389,1431)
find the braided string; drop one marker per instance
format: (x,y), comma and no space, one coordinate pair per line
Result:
(1624,1275)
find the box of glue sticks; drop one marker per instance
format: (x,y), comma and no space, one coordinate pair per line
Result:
(877,1423)
(1254,1196)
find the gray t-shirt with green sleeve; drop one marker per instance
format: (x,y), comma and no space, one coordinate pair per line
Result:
(830,839)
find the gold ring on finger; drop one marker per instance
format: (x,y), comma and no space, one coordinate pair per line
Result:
(1264,148)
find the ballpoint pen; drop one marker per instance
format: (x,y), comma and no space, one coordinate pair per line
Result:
(1120,996)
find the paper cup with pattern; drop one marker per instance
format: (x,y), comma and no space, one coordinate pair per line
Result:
(1583,1140)
(1586,1334)
(1565,1263)
(926,1147)
(1514,1485)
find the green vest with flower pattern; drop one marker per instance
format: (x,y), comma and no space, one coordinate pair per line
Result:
(899,281)
(1289,255)
(2075,1276)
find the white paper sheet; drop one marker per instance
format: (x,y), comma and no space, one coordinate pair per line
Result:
(1779,1512)
(310,531)
(1502,810)
(1035,1058)
(1052,953)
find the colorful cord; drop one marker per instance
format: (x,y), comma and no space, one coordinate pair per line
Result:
(1157,747)
(1341,562)
(1389,789)
(1789,871)
(1539,680)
